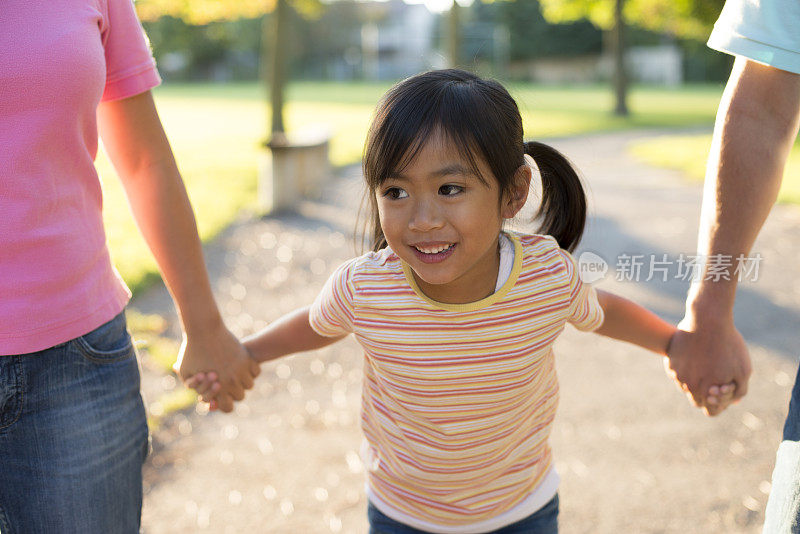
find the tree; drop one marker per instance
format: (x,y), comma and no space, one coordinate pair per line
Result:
(533,37)
(680,18)
(454,35)
(275,35)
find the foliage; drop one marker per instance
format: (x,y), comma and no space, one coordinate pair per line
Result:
(222,49)
(700,63)
(531,36)
(330,46)
(683,18)
(200,12)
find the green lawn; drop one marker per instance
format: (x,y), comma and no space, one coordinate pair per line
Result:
(216,132)
(688,153)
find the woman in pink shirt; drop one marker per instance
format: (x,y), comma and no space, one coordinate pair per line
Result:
(73,432)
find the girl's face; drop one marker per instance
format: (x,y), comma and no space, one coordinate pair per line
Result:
(444,221)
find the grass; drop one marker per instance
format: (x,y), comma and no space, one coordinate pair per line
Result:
(688,154)
(216,132)
(149,332)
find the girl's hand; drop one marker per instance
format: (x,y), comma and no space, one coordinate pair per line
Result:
(206,385)
(721,395)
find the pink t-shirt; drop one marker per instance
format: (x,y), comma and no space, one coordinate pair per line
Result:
(58,60)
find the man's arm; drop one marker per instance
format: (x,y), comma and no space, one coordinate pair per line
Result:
(756,125)
(137,146)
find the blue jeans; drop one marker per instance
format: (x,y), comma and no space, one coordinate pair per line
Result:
(543,521)
(73,436)
(783,506)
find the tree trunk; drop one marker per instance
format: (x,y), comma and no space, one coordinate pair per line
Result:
(276,27)
(453,35)
(618,46)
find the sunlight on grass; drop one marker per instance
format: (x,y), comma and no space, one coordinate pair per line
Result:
(217,131)
(148,331)
(689,153)
(169,403)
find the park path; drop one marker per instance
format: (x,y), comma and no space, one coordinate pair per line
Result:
(634,457)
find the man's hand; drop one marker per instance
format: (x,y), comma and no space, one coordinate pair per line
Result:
(701,358)
(218,351)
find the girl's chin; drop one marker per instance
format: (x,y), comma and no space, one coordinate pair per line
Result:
(424,276)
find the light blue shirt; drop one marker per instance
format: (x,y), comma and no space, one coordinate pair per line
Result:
(766,31)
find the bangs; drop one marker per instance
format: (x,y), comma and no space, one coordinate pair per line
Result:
(411,115)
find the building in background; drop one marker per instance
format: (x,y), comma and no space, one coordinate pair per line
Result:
(397,40)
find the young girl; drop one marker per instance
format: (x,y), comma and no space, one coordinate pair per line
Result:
(457,318)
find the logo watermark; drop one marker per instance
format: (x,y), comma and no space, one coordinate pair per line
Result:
(591,267)
(685,267)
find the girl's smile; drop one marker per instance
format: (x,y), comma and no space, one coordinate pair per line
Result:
(443,217)
(433,253)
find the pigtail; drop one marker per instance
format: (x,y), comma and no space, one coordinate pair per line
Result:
(563,207)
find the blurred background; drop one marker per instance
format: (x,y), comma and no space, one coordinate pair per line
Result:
(236,73)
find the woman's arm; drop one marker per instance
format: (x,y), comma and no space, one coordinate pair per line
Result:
(627,321)
(138,148)
(289,334)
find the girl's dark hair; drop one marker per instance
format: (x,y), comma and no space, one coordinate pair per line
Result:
(480,118)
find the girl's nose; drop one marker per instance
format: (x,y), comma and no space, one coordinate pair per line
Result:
(426,216)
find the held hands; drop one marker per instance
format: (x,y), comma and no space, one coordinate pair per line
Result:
(217,359)
(710,363)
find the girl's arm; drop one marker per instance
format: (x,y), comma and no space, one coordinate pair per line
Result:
(627,321)
(289,334)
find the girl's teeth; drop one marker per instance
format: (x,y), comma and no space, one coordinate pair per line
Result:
(433,250)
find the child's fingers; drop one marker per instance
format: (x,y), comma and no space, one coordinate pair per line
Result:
(195,380)
(721,390)
(722,394)
(206,387)
(719,398)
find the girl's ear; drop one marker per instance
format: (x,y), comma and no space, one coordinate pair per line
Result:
(517,194)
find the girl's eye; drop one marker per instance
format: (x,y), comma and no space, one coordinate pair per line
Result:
(450,190)
(395,193)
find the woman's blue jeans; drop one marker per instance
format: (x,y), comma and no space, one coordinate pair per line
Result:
(73,437)
(543,521)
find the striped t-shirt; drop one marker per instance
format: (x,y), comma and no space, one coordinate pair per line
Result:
(458,399)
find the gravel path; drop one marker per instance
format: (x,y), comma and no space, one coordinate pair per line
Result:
(633,455)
